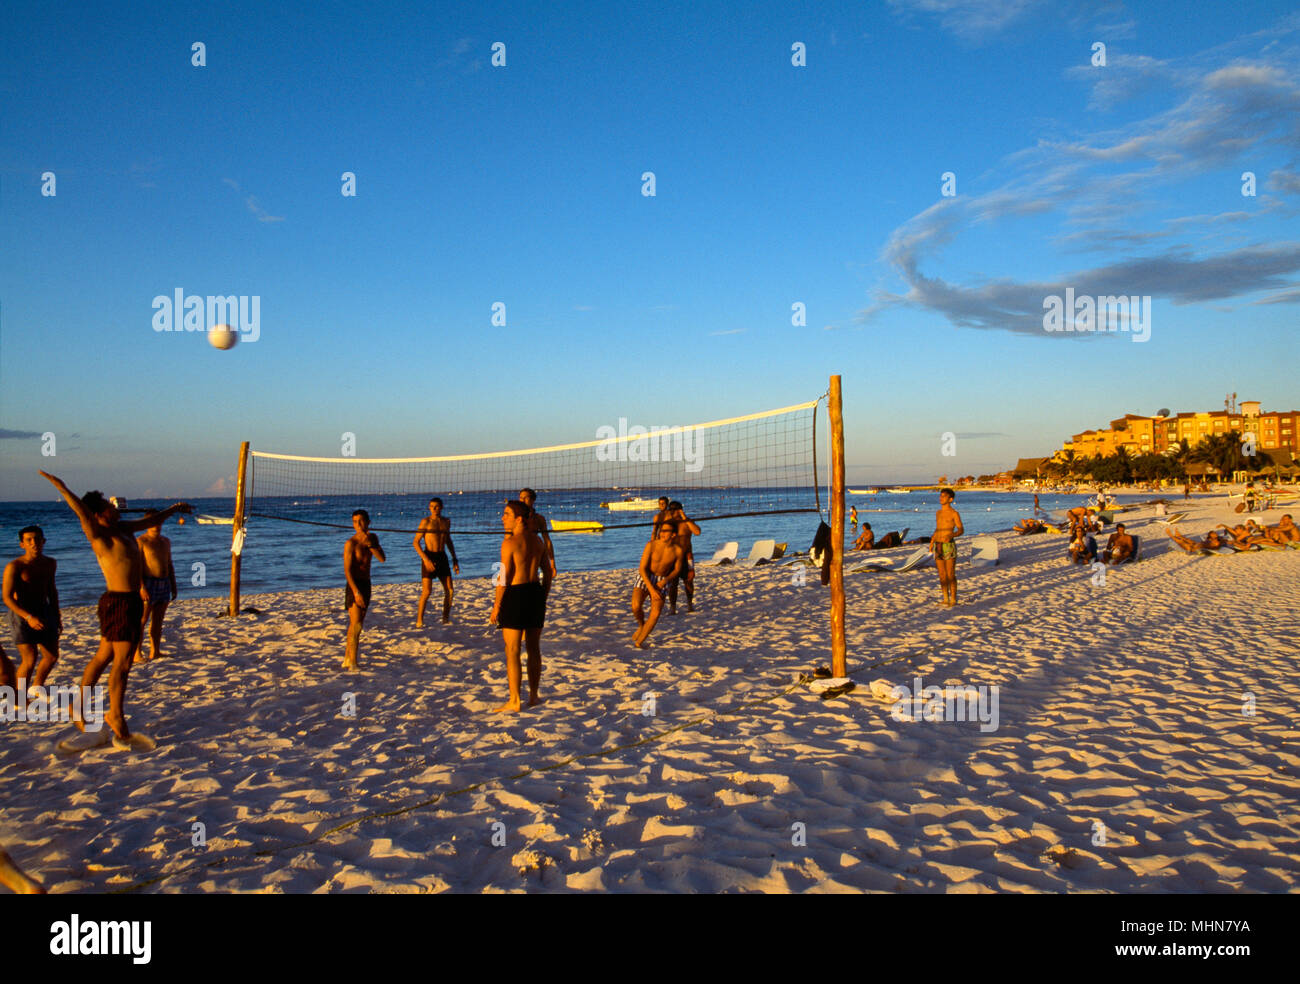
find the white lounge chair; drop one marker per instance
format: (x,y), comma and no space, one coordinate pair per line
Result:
(918,559)
(921,555)
(761,553)
(726,554)
(984,551)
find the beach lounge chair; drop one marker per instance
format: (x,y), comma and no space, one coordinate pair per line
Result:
(725,554)
(779,552)
(984,551)
(760,553)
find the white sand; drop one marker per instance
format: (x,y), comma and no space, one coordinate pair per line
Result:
(1120,706)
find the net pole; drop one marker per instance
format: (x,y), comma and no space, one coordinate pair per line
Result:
(235,554)
(839,660)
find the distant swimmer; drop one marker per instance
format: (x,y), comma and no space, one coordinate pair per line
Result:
(853,517)
(947,526)
(661,563)
(361,547)
(432,541)
(159,588)
(121,610)
(520,606)
(33,603)
(685,530)
(537,522)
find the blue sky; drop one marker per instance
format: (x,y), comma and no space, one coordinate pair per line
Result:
(521,184)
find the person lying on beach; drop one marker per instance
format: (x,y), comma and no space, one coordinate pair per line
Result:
(520,606)
(1211,542)
(121,610)
(158,588)
(661,562)
(537,523)
(360,549)
(918,541)
(1029,526)
(947,526)
(33,603)
(1083,546)
(685,530)
(893,539)
(431,543)
(866,540)
(1120,547)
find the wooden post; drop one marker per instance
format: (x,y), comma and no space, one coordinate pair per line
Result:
(839,662)
(235,530)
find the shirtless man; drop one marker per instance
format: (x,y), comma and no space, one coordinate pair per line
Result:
(661,563)
(121,611)
(1212,541)
(1290,532)
(431,543)
(867,540)
(685,530)
(537,522)
(947,526)
(1119,547)
(660,516)
(520,606)
(33,603)
(357,553)
(159,588)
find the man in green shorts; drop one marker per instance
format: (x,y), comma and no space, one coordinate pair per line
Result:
(947,527)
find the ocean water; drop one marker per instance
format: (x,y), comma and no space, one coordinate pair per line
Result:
(280,555)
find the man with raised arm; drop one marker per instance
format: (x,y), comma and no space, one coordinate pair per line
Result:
(520,606)
(432,541)
(685,529)
(947,527)
(159,588)
(537,522)
(661,563)
(361,547)
(33,603)
(121,610)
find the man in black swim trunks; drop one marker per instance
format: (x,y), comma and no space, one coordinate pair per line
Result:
(33,603)
(520,608)
(357,554)
(432,541)
(121,609)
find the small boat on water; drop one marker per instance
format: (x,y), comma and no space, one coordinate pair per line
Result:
(863,491)
(631,505)
(205,520)
(576,526)
(898,491)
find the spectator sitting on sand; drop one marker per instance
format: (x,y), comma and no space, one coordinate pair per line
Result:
(1083,547)
(867,540)
(1290,532)
(1120,547)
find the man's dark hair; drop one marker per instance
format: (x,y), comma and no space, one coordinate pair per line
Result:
(1119,526)
(663,498)
(866,526)
(435,499)
(529,491)
(95,502)
(949,491)
(520,510)
(363,514)
(675,505)
(30,529)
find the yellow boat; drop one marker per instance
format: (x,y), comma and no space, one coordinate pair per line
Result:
(576,526)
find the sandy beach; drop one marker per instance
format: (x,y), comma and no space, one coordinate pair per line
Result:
(1124,759)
